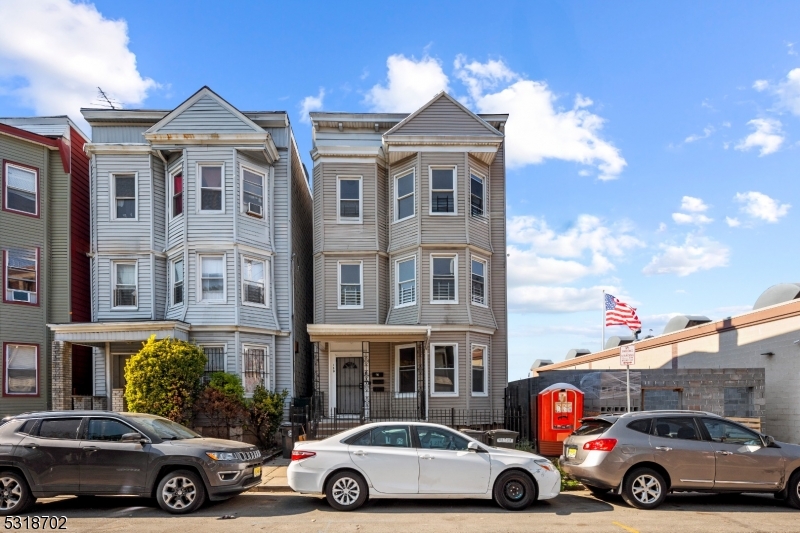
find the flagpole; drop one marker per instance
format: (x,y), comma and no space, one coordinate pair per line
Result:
(603,343)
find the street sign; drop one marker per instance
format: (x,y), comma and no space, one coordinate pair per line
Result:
(627,354)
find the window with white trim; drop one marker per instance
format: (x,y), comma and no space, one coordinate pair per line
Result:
(443,190)
(215,360)
(177,194)
(406,276)
(350,281)
(349,199)
(211,188)
(212,278)
(125,283)
(21,189)
(479,374)
(479,281)
(22,275)
(477,195)
(255,368)
(254,281)
(21,370)
(405,381)
(252,192)
(404,193)
(445,369)
(177,282)
(443,279)
(125,189)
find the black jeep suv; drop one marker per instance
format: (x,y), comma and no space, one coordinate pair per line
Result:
(106,453)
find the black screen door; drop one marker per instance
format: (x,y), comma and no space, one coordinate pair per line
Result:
(349,385)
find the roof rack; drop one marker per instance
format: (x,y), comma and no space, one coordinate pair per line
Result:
(676,411)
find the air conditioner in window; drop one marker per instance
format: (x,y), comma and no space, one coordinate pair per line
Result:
(254,209)
(21,296)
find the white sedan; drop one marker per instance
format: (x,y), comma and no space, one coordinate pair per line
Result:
(418,460)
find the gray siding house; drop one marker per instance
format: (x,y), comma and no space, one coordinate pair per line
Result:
(201,230)
(410,314)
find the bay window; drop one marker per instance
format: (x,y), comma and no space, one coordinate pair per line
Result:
(443,190)
(211,188)
(443,279)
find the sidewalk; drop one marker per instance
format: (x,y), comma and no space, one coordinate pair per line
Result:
(273,477)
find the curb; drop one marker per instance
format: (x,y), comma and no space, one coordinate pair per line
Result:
(273,488)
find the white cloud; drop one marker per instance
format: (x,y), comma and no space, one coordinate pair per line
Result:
(661,227)
(526,267)
(760,206)
(537,129)
(693,205)
(707,131)
(410,84)
(539,299)
(589,233)
(311,103)
(788,91)
(64,51)
(768,136)
(695,254)
(694,218)
(732,222)
(761,85)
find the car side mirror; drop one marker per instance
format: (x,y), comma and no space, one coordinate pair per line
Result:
(473,446)
(769,442)
(133,437)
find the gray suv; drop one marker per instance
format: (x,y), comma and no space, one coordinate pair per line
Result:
(105,453)
(645,455)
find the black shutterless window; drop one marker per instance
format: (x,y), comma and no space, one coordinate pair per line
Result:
(106,429)
(642,426)
(59,428)
(675,428)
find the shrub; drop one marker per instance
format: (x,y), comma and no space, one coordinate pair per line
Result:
(221,403)
(228,384)
(164,377)
(265,413)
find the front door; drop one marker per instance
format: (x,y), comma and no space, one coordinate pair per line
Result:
(386,456)
(111,466)
(447,466)
(349,385)
(742,461)
(678,446)
(53,455)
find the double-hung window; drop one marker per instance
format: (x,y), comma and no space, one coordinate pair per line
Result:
(406,369)
(212,278)
(443,190)
(211,188)
(21,189)
(444,368)
(349,199)
(404,192)
(479,370)
(479,281)
(177,194)
(406,281)
(254,286)
(177,282)
(350,286)
(125,284)
(443,281)
(255,365)
(21,274)
(252,192)
(125,189)
(21,369)
(477,198)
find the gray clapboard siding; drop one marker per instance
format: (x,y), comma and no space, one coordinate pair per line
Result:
(161,292)
(443,228)
(159,189)
(349,236)
(383,294)
(319,222)
(282,261)
(204,227)
(444,313)
(119,134)
(443,117)
(280,136)
(127,234)
(206,116)
(333,314)
(105,310)
(448,402)
(382,204)
(319,289)
(332,137)
(497,272)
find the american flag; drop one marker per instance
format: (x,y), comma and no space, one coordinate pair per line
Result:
(619,313)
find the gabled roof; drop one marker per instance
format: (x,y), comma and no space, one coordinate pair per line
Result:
(205,103)
(425,119)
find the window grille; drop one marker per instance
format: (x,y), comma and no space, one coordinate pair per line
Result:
(255,365)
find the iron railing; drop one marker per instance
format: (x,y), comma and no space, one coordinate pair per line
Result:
(215,361)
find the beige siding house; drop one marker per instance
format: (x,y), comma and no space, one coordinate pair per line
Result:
(410,314)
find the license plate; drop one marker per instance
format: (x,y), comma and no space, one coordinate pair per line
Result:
(257,471)
(572,452)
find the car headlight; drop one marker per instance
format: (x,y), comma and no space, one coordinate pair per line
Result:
(222,456)
(544,463)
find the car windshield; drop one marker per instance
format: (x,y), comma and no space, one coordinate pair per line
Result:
(594,426)
(164,428)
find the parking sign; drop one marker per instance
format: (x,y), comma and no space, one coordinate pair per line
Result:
(627,354)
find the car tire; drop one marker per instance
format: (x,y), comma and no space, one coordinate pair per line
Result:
(15,495)
(514,490)
(346,491)
(596,491)
(644,488)
(793,489)
(181,492)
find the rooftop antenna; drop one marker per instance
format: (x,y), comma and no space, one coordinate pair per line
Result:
(105,101)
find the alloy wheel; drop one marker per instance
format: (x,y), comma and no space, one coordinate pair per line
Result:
(179,492)
(646,489)
(346,491)
(10,493)
(514,490)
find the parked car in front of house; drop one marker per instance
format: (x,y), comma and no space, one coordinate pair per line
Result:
(645,455)
(418,460)
(107,453)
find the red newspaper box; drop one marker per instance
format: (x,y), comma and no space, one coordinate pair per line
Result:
(560,407)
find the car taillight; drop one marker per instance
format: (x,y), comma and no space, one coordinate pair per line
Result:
(600,445)
(299,455)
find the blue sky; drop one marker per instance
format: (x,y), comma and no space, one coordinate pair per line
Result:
(653,146)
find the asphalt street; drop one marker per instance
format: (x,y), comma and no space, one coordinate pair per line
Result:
(570,512)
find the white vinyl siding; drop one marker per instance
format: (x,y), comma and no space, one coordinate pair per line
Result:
(125,193)
(478,282)
(479,373)
(212,278)
(211,186)
(443,199)
(125,293)
(22,275)
(21,370)
(404,196)
(444,369)
(349,199)
(406,276)
(444,279)
(351,283)
(254,282)
(21,189)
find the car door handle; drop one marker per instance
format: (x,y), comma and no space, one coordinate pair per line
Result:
(426,457)
(90,448)
(360,453)
(724,453)
(31,446)
(663,448)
